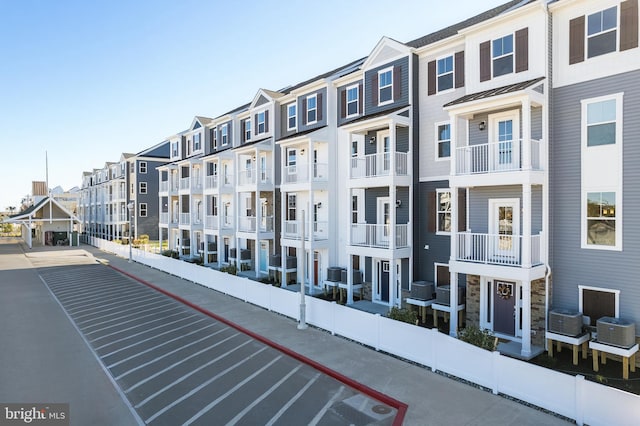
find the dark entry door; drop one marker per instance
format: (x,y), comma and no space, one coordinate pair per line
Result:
(504,320)
(384,281)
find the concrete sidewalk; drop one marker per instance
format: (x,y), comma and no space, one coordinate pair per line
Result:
(432,398)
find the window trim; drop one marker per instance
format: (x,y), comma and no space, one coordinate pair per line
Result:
(215,137)
(380,87)
(616,294)
(356,100)
(585,188)
(314,109)
(142,165)
(261,115)
(588,36)
(140,186)
(512,53)
(438,211)
(294,116)
(197,146)
(247,129)
(438,141)
(453,73)
(224,134)
(141,209)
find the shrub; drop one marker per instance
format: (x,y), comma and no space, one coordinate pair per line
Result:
(144,239)
(170,253)
(229,269)
(481,338)
(404,315)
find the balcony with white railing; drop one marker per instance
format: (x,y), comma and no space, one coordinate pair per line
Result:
(300,173)
(496,249)
(175,219)
(184,182)
(254,176)
(211,182)
(196,183)
(378,165)
(164,186)
(185,218)
(211,222)
(174,184)
(497,157)
(196,219)
(164,218)
(227,222)
(227,180)
(291,230)
(379,235)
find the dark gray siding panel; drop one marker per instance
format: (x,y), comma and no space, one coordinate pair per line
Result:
(571,265)
(339,105)
(371,196)
(479,206)
(322,121)
(371,107)
(439,245)
(148,225)
(404,271)
(402,139)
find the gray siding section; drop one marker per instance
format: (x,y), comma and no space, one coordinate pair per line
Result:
(369,106)
(571,265)
(371,196)
(477,136)
(148,225)
(479,206)
(402,141)
(301,127)
(439,245)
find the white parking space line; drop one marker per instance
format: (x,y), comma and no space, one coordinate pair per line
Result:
(324,409)
(139,342)
(166,342)
(182,361)
(155,312)
(83,288)
(116,316)
(289,403)
(103,312)
(149,329)
(137,325)
(82,298)
(108,307)
(206,383)
(100,298)
(268,392)
(114,301)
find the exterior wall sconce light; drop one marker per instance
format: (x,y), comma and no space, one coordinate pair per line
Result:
(319,205)
(482,125)
(372,140)
(302,151)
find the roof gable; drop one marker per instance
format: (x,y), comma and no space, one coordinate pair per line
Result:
(385,51)
(264,97)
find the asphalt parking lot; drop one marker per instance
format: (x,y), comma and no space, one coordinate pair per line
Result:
(176,365)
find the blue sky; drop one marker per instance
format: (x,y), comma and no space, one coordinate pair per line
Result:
(88,80)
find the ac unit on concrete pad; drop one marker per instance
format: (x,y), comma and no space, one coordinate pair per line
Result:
(422,290)
(443,297)
(564,321)
(616,332)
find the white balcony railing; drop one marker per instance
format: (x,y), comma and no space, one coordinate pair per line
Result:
(197,219)
(495,157)
(196,182)
(184,183)
(247,223)
(164,218)
(211,182)
(291,230)
(496,249)
(185,218)
(375,165)
(227,180)
(211,222)
(378,236)
(164,186)
(253,176)
(300,173)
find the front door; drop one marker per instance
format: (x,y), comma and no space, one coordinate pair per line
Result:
(505,140)
(384,153)
(264,255)
(381,287)
(504,311)
(316,267)
(383,222)
(504,230)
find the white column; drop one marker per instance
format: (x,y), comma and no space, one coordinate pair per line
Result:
(453,305)
(453,119)
(526,134)
(526,318)
(350,280)
(526,225)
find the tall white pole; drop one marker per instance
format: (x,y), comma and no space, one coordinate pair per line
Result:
(302,325)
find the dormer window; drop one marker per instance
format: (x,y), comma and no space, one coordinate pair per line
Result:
(312,109)
(291,116)
(602,32)
(385,86)
(196,142)
(260,125)
(502,55)
(224,134)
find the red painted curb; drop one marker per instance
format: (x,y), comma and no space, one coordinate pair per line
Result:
(400,406)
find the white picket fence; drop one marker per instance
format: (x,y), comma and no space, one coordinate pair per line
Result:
(571,396)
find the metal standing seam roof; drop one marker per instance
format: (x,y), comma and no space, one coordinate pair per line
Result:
(494,92)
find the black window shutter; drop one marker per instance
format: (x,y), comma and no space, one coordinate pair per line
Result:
(397,82)
(576,40)
(485,61)
(255,124)
(343,103)
(243,133)
(304,111)
(360,98)
(628,24)
(462,209)
(319,106)
(431,78)
(522,50)
(266,120)
(459,69)
(374,88)
(432,211)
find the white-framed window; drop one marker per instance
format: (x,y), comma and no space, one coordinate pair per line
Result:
(598,302)
(214,138)
(291,207)
(354,209)
(312,108)
(385,86)
(354,148)
(502,55)
(444,73)
(602,32)
(291,116)
(601,173)
(443,140)
(291,160)
(247,129)
(214,205)
(443,211)
(352,100)
(142,166)
(247,207)
(196,142)
(224,134)
(143,187)
(142,209)
(261,126)
(174,149)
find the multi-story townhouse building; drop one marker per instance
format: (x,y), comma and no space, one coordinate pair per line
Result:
(106,193)
(595,197)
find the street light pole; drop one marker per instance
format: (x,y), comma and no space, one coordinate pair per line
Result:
(130,206)
(302,325)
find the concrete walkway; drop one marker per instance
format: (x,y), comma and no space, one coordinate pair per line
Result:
(433,399)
